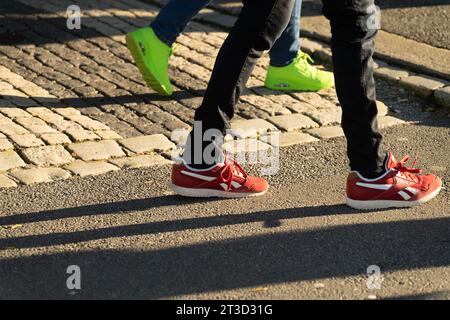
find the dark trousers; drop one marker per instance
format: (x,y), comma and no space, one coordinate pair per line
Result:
(259,25)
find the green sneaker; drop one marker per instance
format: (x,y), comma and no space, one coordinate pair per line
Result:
(300,75)
(151,56)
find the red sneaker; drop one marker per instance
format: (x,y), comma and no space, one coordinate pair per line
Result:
(226,180)
(400,186)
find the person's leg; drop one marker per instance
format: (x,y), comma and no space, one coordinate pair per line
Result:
(173,18)
(376,180)
(290,69)
(287,46)
(259,24)
(151,46)
(353,46)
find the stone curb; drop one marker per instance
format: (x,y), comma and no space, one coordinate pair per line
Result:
(425,86)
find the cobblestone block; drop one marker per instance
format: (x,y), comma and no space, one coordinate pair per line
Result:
(283,99)
(5,86)
(382,108)
(292,122)
(5,144)
(79,135)
(28,121)
(47,156)
(35,125)
(4,120)
(88,123)
(9,160)
(26,140)
(14,113)
(55,138)
(101,150)
(124,129)
(39,175)
(327,132)
(246,111)
(91,111)
(64,125)
(312,98)
(144,144)
(182,79)
(326,116)
(84,169)
(140,161)
(301,107)
(389,121)
(6,182)
(251,128)
(33,90)
(10,129)
(44,114)
(67,112)
(164,118)
(105,118)
(108,135)
(264,104)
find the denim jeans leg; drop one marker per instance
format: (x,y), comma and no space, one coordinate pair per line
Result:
(353,45)
(173,18)
(286,48)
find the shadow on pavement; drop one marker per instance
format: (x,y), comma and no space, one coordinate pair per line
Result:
(82,102)
(345,250)
(269,218)
(99,209)
(424,118)
(440,295)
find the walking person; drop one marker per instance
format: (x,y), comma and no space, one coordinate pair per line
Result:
(376,180)
(289,68)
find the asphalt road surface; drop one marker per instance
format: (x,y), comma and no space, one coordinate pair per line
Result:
(426,21)
(132,238)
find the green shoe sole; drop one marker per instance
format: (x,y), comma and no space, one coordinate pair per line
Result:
(148,77)
(282,85)
(289,88)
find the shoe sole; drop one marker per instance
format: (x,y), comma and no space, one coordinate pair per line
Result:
(273,86)
(385,204)
(295,89)
(209,193)
(148,77)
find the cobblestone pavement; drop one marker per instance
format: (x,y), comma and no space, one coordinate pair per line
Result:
(73,103)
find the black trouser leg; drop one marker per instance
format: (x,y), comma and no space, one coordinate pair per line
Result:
(260,23)
(352,44)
